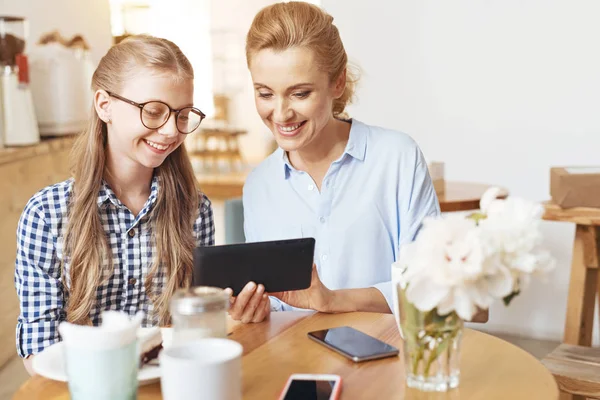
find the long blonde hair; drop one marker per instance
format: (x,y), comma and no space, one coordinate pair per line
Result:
(298,24)
(85,243)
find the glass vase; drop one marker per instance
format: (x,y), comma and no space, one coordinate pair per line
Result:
(431,348)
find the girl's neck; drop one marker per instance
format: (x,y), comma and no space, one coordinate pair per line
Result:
(130,182)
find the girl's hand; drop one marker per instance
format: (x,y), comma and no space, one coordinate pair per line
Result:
(251,305)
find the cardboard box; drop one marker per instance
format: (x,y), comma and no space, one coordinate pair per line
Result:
(436,171)
(575,186)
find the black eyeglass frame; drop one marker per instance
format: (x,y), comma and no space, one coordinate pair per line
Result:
(171,110)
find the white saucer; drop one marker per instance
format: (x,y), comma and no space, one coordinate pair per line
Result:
(50,362)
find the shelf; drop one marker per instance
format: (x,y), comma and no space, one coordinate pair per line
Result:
(222,186)
(45,146)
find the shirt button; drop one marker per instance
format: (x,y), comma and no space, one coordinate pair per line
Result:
(132,281)
(324,257)
(131,233)
(322,219)
(311,187)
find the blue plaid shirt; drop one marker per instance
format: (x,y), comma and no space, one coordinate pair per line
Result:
(40,253)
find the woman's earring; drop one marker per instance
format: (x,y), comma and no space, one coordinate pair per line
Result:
(109,121)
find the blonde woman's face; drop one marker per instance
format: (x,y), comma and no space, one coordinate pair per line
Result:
(293,97)
(129,140)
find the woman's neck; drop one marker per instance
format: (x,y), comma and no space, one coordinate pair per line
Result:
(329,145)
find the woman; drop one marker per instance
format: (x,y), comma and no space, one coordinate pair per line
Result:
(360,190)
(120,234)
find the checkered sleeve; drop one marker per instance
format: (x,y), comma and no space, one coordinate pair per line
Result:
(204,226)
(38,282)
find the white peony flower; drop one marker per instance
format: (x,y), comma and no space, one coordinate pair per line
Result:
(511,232)
(444,267)
(448,250)
(459,265)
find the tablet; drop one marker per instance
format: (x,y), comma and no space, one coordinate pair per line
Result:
(280,265)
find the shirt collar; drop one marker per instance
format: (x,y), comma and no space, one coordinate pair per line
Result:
(107,194)
(356,146)
(357,142)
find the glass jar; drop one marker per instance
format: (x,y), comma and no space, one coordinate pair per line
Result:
(199,312)
(13,32)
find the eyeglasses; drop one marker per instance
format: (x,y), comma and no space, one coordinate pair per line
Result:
(155,114)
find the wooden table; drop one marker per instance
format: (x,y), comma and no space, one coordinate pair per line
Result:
(583,284)
(490,368)
(464,196)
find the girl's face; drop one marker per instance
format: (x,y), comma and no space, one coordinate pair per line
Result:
(130,143)
(293,97)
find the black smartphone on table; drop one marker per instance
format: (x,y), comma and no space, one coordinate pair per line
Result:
(353,344)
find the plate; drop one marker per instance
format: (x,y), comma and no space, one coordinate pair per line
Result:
(50,363)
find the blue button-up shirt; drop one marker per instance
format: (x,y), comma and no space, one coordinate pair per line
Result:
(373,199)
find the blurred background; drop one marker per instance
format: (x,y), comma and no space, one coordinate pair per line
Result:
(496,91)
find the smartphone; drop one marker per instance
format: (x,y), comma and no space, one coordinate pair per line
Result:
(354,344)
(312,387)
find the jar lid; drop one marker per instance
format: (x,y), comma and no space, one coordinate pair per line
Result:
(198,299)
(10,18)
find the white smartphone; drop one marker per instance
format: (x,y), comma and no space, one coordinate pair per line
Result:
(312,387)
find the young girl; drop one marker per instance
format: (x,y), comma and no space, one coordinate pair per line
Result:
(120,234)
(360,190)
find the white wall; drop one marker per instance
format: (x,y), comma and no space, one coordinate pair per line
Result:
(500,91)
(230,21)
(191,32)
(88,18)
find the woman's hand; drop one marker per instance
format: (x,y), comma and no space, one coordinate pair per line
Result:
(251,304)
(317,297)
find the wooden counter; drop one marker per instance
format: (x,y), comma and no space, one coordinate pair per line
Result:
(23,171)
(50,145)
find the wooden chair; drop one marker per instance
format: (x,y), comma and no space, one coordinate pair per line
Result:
(576,370)
(583,284)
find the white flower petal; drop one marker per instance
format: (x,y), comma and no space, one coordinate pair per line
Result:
(425,294)
(500,284)
(464,306)
(446,305)
(479,294)
(490,195)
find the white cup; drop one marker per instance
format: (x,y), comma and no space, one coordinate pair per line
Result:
(205,368)
(102,361)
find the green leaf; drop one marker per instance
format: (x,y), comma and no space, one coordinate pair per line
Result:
(508,299)
(477,216)
(444,333)
(409,314)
